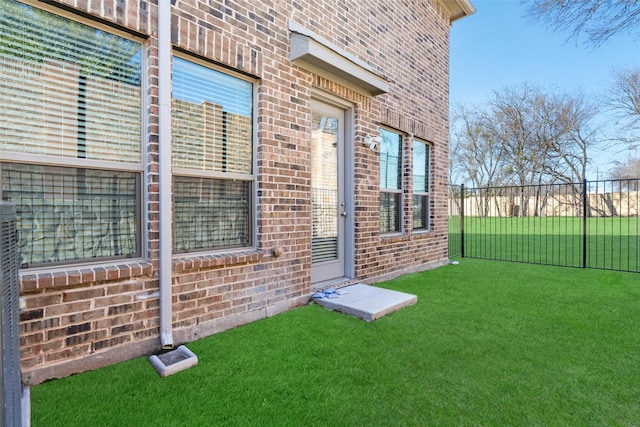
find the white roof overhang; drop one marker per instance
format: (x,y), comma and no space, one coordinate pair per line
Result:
(457,9)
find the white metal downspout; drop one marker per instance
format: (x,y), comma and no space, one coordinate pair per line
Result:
(164,169)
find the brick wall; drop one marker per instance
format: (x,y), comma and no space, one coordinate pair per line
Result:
(84,317)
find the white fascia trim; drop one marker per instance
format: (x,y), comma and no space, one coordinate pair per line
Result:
(313,53)
(458,9)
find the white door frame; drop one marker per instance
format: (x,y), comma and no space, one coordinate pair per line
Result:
(348,185)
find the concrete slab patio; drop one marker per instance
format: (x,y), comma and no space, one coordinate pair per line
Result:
(367,302)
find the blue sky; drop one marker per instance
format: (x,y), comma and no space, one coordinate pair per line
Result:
(499,47)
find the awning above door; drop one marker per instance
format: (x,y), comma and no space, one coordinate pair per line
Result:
(311,52)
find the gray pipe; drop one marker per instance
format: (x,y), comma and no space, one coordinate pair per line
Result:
(164,169)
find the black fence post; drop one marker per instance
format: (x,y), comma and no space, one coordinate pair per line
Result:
(584,223)
(462,220)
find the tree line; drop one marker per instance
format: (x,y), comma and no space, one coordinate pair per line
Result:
(527,135)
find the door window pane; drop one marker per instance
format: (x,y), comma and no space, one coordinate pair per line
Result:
(324,187)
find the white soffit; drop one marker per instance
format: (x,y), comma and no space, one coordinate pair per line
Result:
(311,52)
(457,8)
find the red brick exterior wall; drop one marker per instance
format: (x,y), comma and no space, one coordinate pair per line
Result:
(80,318)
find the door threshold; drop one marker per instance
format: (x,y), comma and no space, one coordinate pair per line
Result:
(338,282)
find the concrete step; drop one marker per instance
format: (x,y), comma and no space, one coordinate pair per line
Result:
(367,302)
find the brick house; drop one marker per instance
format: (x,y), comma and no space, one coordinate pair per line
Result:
(181,168)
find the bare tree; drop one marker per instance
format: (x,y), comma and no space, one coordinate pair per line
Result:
(475,149)
(546,136)
(514,124)
(626,170)
(519,130)
(457,173)
(599,20)
(526,136)
(624,96)
(478,154)
(628,174)
(571,116)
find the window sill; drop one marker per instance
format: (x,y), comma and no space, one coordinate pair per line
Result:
(394,237)
(61,277)
(422,233)
(209,260)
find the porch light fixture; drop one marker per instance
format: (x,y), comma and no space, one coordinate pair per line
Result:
(373,142)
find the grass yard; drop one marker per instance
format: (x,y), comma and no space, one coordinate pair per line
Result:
(612,243)
(488,343)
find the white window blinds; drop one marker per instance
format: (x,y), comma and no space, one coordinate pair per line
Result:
(212,119)
(67,89)
(212,145)
(390,181)
(70,96)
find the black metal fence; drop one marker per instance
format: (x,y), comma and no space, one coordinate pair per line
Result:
(455,220)
(592,224)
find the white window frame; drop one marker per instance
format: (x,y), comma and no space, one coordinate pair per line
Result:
(82,163)
(397,192)
(426,195)
(231,176)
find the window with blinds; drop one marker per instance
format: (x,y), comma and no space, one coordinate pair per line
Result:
(70,95)
(421,151)
(390,181)
(212,158)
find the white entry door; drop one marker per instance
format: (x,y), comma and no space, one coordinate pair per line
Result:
(329,210)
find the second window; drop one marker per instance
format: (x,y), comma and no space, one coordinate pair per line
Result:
(212,145)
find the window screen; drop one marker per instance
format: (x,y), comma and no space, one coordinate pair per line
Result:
(71,214)
(211,213)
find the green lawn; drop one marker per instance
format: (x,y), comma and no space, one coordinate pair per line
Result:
(612,243)
(488,343)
